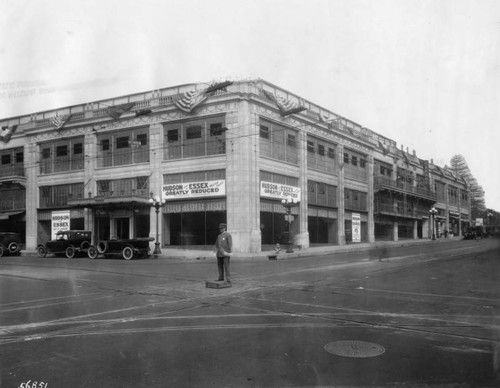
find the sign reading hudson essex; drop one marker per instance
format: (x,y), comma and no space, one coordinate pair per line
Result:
(194,190)
(279,191)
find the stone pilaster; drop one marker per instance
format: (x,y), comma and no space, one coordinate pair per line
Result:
(242,179)
(341,201)
(302,237)
(370,197)
(31,159)
(90,188)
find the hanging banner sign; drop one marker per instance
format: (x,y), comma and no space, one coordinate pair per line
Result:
(356,227)
(279,191)
(194,190)
(60,221)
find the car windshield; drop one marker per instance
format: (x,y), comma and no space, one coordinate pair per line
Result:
(62,237)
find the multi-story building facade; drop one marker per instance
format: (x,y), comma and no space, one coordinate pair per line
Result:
(227,152)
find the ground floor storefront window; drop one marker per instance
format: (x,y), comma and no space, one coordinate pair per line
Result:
(348,225)
(405,228)
(193,223)
(44,230)
(273,224)
(384,228)
(322,226)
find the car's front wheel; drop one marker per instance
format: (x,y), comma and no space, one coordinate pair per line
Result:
(1,251)
(127,253)
(92,252)
(70,252)
(42,252)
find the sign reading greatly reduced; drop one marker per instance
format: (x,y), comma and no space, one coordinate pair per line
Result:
(279,191)
(194,190)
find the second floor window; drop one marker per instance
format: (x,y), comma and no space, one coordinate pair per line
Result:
(61,155)
(123,147)
(201,137)
(278,142)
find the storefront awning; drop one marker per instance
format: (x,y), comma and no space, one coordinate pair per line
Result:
(110,202)
(7,215)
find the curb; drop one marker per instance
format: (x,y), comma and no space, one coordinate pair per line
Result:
(203,255)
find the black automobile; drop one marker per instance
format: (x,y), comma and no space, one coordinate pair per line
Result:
(126,248)
(69,243)
(10,244)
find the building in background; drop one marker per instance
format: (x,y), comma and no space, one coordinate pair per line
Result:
(225,152)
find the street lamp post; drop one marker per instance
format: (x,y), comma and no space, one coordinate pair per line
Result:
(489,229)
(157,203)
(433,213)
(288,203)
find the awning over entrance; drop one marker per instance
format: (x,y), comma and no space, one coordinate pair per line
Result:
(110,202)
(7,215)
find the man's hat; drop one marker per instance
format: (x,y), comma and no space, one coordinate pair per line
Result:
(222,226)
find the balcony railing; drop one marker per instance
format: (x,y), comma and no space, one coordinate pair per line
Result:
(11,171)
(402,187)
(400,211)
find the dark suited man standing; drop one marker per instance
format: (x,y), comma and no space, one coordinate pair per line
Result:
(223,250)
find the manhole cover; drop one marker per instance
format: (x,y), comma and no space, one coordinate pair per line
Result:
(356,349)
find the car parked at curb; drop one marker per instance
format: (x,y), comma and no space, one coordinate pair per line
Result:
(69,243)
(10,244)
(126,248)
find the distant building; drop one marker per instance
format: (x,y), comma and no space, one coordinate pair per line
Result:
(227,152)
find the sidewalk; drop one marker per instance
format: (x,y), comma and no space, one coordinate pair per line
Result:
(192,254)
(196,254)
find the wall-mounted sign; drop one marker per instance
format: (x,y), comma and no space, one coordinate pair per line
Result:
(60,221)
(356,227)
(279,191)
(194,190)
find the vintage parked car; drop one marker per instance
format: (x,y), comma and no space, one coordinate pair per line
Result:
(126,248)
(10,244)
(70,243)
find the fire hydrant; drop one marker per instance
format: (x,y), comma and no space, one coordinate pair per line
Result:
(277,249)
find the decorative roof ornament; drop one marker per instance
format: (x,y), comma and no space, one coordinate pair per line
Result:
(285,105)
(6,133)
(188,101)
(60,121)
(117,110)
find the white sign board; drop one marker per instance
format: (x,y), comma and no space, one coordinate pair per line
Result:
(194,190)
(479,222)
(279,191)
(60,221)
(356,227)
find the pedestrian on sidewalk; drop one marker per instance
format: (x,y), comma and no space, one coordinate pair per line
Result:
(223,250)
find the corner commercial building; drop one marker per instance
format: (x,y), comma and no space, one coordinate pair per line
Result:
(224,152)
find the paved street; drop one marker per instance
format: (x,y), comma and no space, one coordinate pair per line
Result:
(422,315)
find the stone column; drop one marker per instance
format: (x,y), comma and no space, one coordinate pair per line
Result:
(302,237)
(370,199)
(341,203)
(90,188)
(447,209)
(242,179)
(32,191)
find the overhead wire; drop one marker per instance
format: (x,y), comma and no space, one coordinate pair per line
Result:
(165,145)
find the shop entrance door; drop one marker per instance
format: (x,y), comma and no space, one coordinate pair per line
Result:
(102,229)
(122,228)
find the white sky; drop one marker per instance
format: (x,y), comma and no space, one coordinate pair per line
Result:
(425,73)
